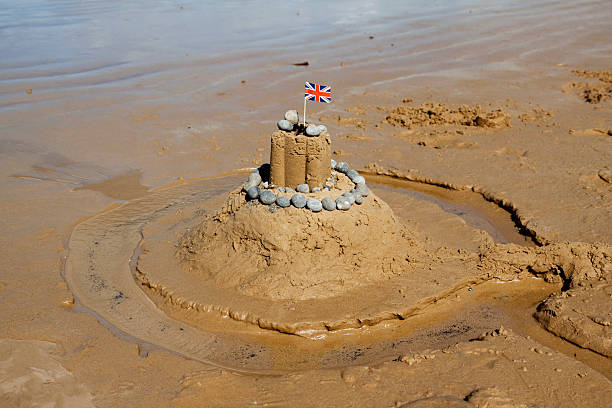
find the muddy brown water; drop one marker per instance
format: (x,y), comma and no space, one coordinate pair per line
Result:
(472,207)
(461,316)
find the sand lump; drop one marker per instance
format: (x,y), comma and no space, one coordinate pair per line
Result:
(574,264)
(592,92)
(581,315)
(439,114)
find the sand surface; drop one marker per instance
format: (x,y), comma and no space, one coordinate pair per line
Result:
(507,106)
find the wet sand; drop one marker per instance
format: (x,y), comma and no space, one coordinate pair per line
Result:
(125,110)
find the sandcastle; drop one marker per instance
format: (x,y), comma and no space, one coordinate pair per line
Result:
(301,228)
(300,163)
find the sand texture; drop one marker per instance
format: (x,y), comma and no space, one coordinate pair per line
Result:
(498,371)
(483,277)
(298,254)
(439,114)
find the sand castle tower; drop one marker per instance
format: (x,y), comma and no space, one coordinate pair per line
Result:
(299,159)
(300,155)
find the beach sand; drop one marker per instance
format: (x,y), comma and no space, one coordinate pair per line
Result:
(486,128)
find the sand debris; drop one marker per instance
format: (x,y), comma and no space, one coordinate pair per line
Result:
(431,114)
(591,92)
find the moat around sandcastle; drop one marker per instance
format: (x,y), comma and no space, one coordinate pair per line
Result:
(303,247)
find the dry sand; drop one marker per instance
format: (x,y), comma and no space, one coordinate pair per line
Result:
(507,108)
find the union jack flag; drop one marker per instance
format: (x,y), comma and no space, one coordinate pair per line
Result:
(317,93)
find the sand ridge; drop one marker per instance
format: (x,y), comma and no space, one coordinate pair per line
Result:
(581,315)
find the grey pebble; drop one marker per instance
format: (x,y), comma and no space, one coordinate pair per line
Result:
(298,200)
(314,205)
(333,164)
(350,197)
(292,116)
(329,204)
(315,189)
(285,125)
(312,131)
(289,190)
(267,197)
(358,180)
(303,188)
(253,192)
(281,189)
(352,173)
(342,167)
(323,128)
(362,189)
(342,203)
(283,202)
(358,199)
(254,180)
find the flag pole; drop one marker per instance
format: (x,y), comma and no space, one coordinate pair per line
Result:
(305,112)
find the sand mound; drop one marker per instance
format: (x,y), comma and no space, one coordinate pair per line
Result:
(292,270)
(439,114)
(581,313)
(575,264)
(592,92)
(582,316)
(295,253)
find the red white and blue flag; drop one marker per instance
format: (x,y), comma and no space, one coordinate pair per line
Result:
(317,93)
